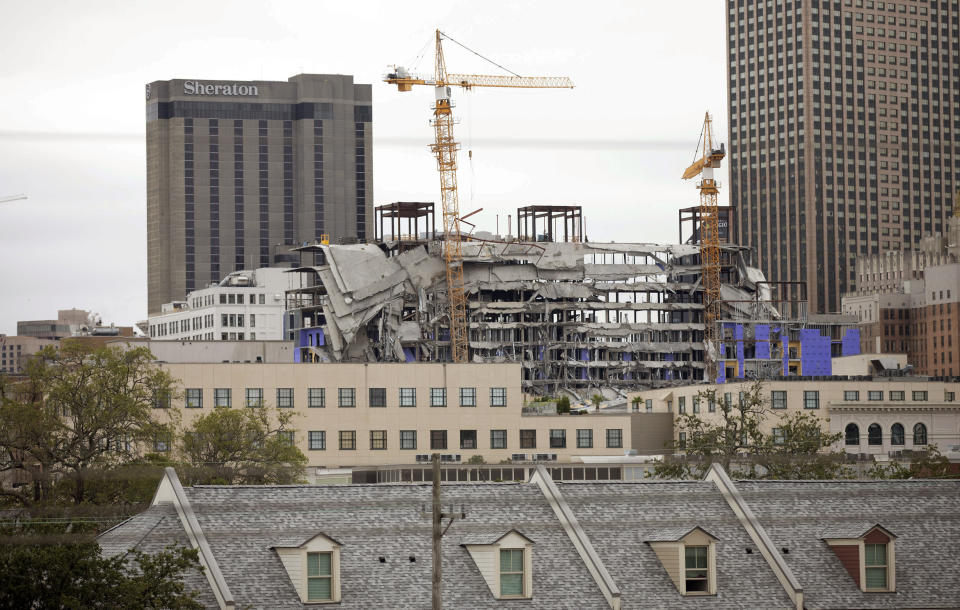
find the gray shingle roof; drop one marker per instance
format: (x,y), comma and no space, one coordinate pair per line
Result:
(671,534)
(848,529)
(619,517)
(925,516)
(151,532)
(241,523)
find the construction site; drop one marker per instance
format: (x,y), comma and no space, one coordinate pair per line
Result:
(579,315)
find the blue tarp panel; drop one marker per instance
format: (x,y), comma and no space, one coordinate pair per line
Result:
(738,335)
(851,342)
(410,355)
(814,353)
(761,333)
(668,374)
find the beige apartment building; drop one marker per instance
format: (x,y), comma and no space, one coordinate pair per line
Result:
(877,416)
(14,352)
(399,413)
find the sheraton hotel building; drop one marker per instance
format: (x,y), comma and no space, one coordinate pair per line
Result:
(239,172)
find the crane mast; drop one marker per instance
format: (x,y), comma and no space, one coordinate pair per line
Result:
(709,241)
(444,148)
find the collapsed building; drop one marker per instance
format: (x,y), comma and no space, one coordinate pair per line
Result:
(577,314)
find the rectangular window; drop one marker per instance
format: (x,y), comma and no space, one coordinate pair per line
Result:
(949,396)
(528,439)
(408,439)
(378,397)
(851,395)
(648,405)
(897,395)
(194,398)
(254,397)
(221,397)
(378,440)
(284,398)
(498,439)
(682,440)
(811,399)
(778,436)
(614,438)
(778,399)
(682,404)
(875,395)
(161,399)
(920,395)
(318,440)
(319,577)
(511,573)
(695,562)
(348,440)
(696,404)
(876,565)
(408,397)
(161,444)
(584,438)
(438,397)
(346,397)
(438,439)
(468,439)
(286,436)
(558,439)
(468,397)
(498,397)
(316,398)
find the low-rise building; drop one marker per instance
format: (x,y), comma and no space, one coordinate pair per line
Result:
(877,415)
(399,413)
(14,352)
(712,543)
(246,305)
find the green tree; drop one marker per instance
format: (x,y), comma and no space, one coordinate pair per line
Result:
(563,404)
(735,440)
(75,575)
(931,464)
(242,446)
(80,408)
(596,399)
(635,401)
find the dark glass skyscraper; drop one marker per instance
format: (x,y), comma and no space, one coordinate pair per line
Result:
(844,132)
(237,172)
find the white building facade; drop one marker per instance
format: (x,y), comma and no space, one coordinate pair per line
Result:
(245,306)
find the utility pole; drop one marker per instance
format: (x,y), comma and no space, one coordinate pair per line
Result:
(438,516)
(437,536)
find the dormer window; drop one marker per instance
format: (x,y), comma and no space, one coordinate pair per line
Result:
(319,577)
(695,560)
(689,557)
(505,562)
(313,567)
(511,572)
(875,566)
(867,553)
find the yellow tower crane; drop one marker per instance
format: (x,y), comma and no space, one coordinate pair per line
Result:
(445,149)
(709,240)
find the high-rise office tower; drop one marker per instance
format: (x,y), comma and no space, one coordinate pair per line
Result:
(237,172)
(844,132)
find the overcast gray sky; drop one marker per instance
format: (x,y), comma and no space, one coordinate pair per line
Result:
(72,117)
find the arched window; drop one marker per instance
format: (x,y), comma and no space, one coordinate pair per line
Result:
(852,432)
(874,435)
(919,434)
(896,434)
